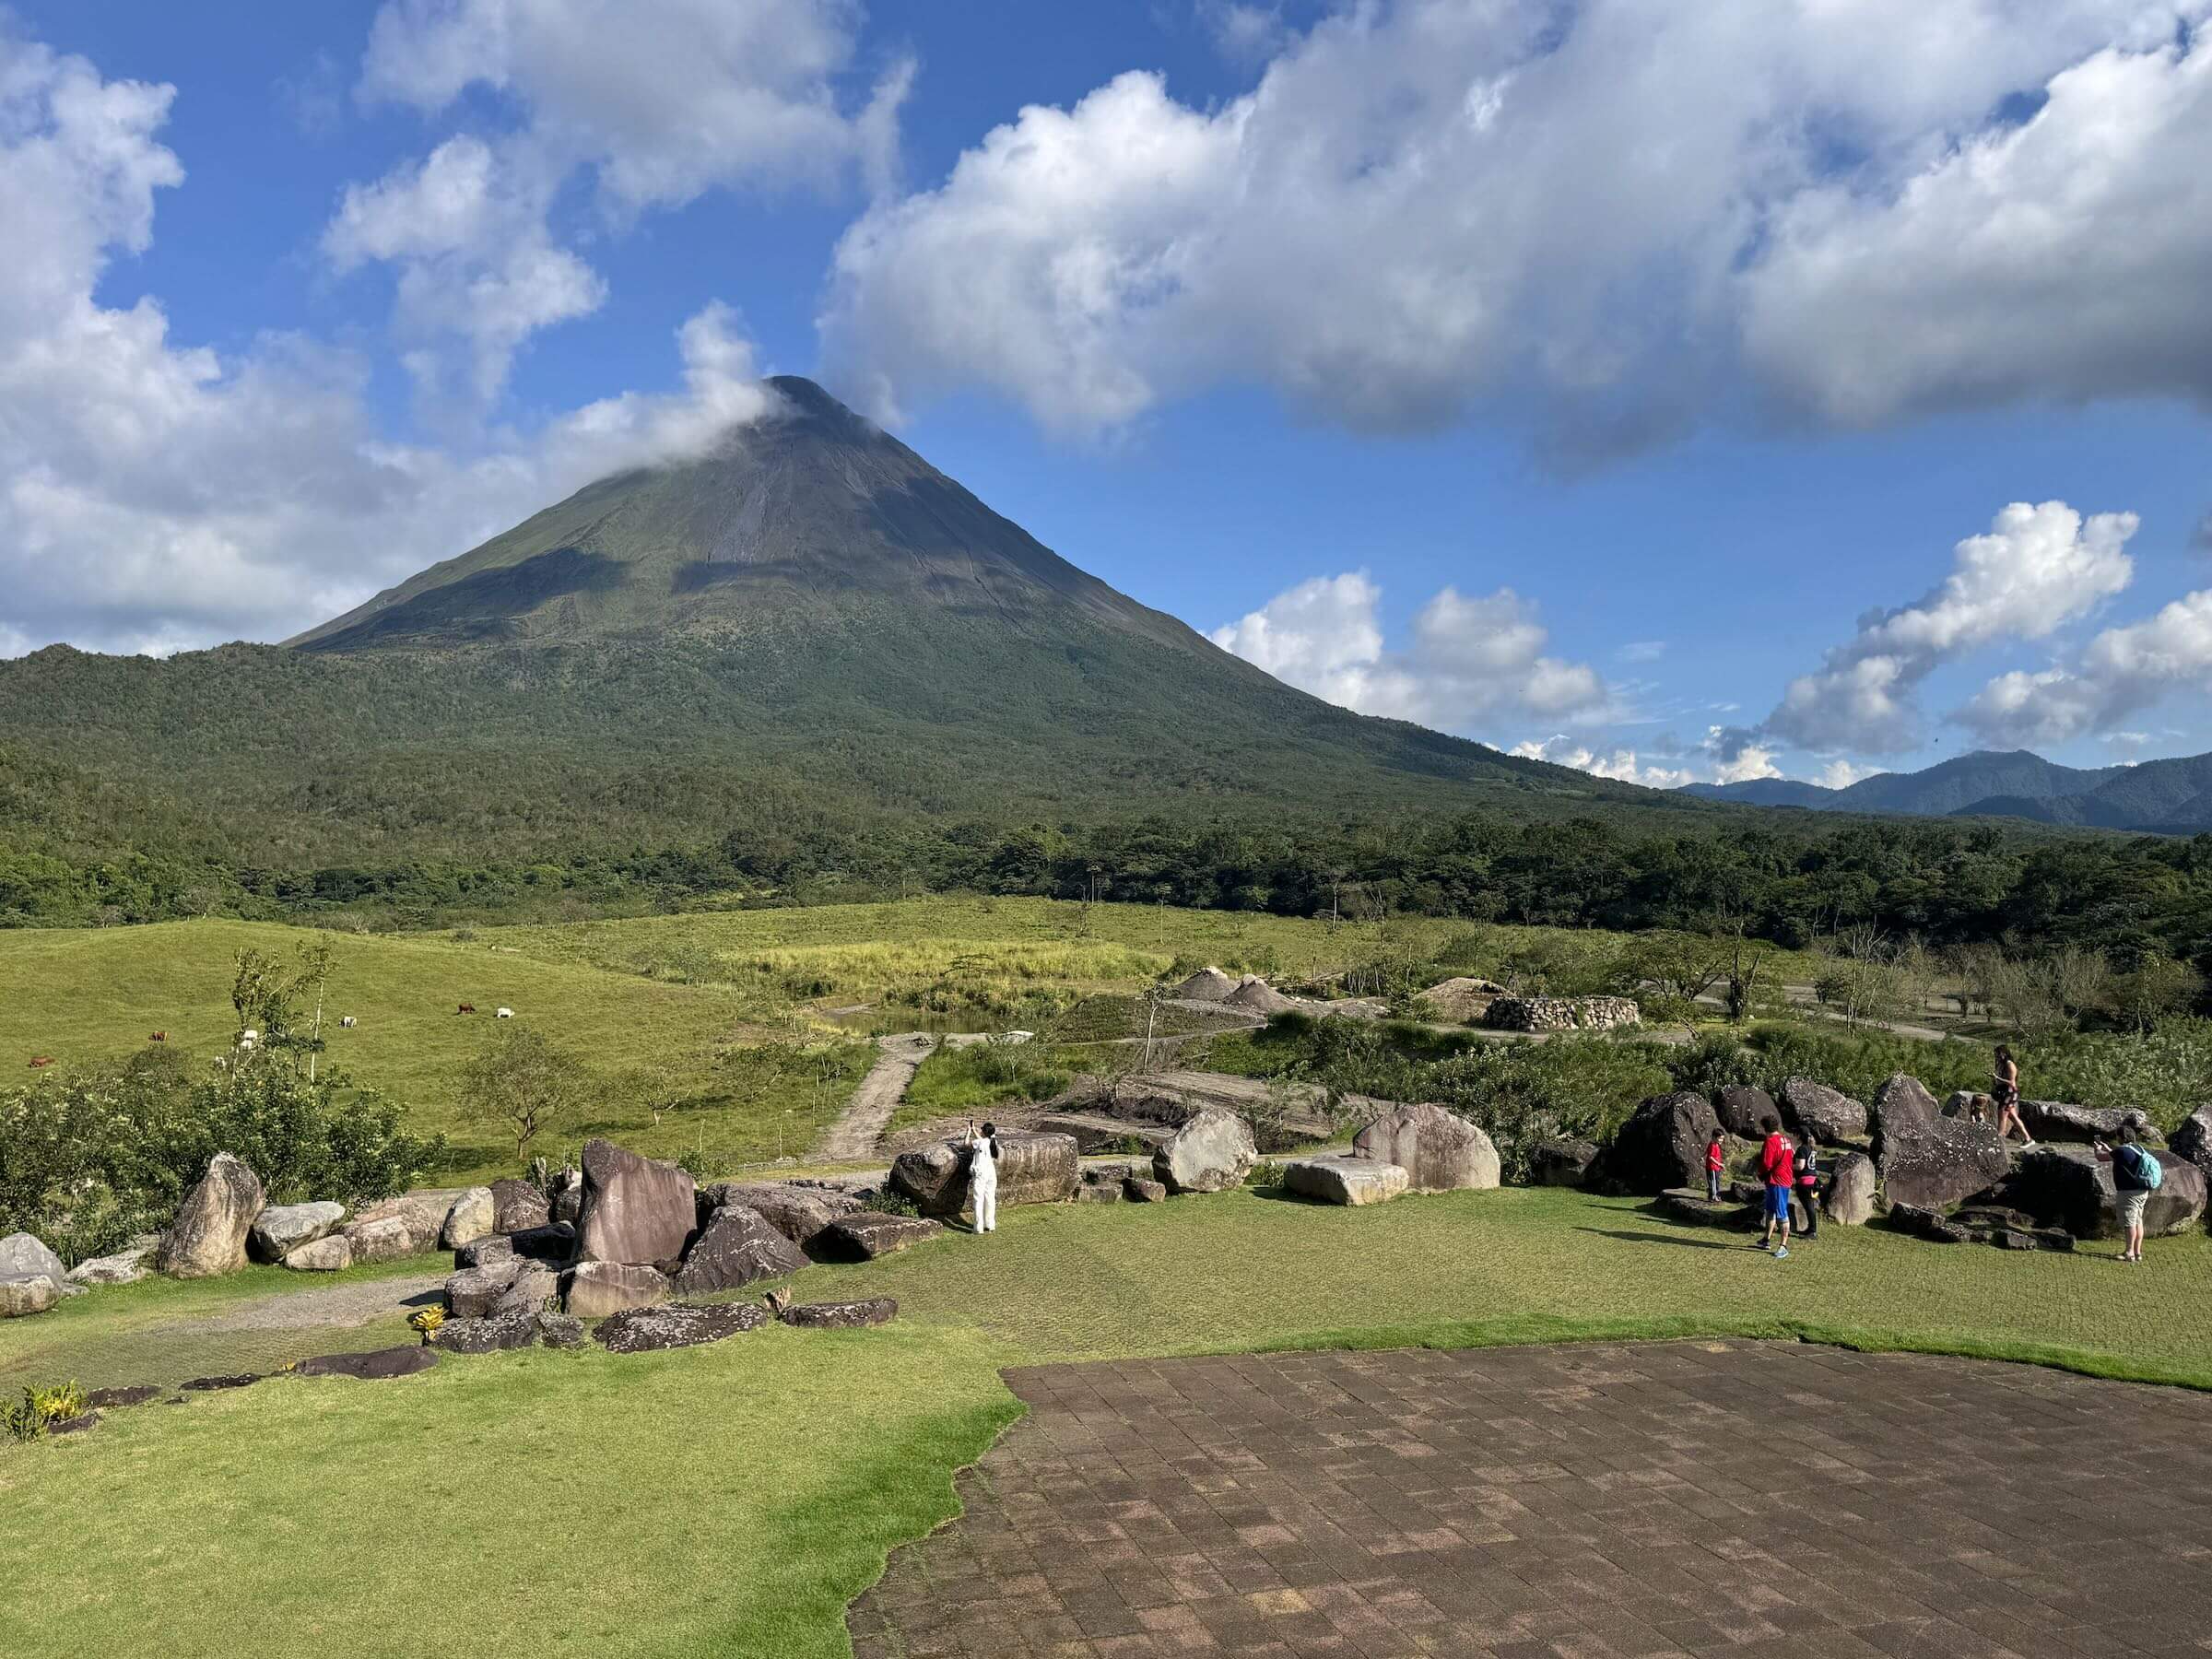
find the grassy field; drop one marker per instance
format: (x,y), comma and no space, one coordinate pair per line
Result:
(754,1487)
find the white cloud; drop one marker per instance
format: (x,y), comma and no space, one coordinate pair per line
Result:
(2036,569)
(1642,651)
(1842,774)
(155,495)
(1621,765)
(1611,220)
(1467,658)
(2122,671)
(705,95)
(1738,756)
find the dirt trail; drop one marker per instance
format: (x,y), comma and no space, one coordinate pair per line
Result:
(867,1115)
(338,1305)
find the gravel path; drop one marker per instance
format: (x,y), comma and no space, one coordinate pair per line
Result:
(867,1115)
(339,1305)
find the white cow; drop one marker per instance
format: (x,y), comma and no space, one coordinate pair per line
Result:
(347,1023)
(248,1038)
(505,1014)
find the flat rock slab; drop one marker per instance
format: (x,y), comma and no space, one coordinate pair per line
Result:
(869,1234)
(1566,1500)
(842,1316)
(680,1324)
(490,1335)
(138,1393)
(374,1365)
(1336,1179)
(210,1384)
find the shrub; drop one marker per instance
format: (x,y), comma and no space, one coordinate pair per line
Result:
(28,1418)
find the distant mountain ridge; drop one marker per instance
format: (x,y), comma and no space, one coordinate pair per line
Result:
(2171,796)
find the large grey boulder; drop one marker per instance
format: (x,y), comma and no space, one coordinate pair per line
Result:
(533,1288)
(1561,1161)
(684,1324)
(283,1227)
(1902,1101)
(1744,1110)
(637,1210)
(1850,1189)
(208,1237)
(840,1315)
(1438,1151)
(2059,1121)
(2193,1140)
(407,1225)
(333,1254)
(735,1248)
(517,1205)
(555,1242)
(1661,1145)
(798,1211)
(1831,1115)
(1332,1178)
(481,1252)
(126,1266)
(870,1235)
(474,1291)
(386,1239)
(486,1336)
(1032,1169)
(470,1219)
(592,1289)
(2068,1187)
(1934,1162)
(1211,1153)
(26,1293)
(22,1255)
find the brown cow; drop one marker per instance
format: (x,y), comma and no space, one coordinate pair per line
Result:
(38,1060)
(158,1037)
(466,1009)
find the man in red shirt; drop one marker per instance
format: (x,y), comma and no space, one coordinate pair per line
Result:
(1777,1169)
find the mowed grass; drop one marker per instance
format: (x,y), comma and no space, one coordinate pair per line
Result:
(87,995)
(736,1497)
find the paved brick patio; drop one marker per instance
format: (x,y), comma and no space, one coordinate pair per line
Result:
(1580,1503)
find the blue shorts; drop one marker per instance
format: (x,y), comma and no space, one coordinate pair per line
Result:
(1778,1205)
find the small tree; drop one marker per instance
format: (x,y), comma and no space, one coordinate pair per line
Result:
(265,992)
(1746,962)
(523,1083)
(2158,988)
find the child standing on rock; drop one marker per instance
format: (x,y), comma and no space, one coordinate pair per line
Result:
(1716,1160)
(982,1175)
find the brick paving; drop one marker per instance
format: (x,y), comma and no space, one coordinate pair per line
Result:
(1577,1502)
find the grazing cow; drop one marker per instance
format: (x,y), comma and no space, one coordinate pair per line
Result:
(38,1060)
(348,1022)
(466,1009)
(248,1038)
(505,1014)
(158,1037)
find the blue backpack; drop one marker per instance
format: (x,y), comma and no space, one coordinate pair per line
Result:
(2148,1173)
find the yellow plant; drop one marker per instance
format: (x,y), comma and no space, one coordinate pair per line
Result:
(427,1320)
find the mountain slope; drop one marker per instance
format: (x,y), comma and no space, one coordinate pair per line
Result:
(809,631)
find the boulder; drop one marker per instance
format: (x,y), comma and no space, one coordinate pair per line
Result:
(1830,1115)
(373,1366)
(2193,1140)
(591,1289)
(566,1204)
(517,1205)
(21,1255)
(384,1240)
(479,1252)
(1439,1151)
(797,1211)
(282,1227)
(2068,1188)
(470,1219)
(332,1254)
(216,1384)
(76,1425)
(1690,1205)
(1560,1161)
(555,1242)
(532,1288)
(682,1325)
(842,1316)
(1903,1099)
(1332,1178)
(1211,1153)
(208,1237)
(636,1210)
(124,1267)
(560,1330)
(864,1236)
(735,1248)
(486,1336)
(1032,1169)
(1851,1185)
(422,1215)
(1958,1104)
(1744,1110)
(473,1292)
(1138,1190)
(1661,1145)
(1099,1191)
(26,1293)
(1923,1223)
(2057,1121)
(1934,1162)
(110,1399)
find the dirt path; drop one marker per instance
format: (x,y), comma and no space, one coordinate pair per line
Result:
(339,1305)
(867,1115)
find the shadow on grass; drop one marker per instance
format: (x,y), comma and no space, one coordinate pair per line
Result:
(1646,1238)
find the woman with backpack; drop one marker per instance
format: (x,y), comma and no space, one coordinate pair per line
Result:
(2136,1175)
(1807,1165)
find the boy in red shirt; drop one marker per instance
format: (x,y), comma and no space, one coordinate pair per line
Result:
(1716,1160)
(1777,1161)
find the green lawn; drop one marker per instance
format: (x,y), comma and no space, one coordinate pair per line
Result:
(731,1499)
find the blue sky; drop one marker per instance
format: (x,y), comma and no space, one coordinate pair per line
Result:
(1619,382)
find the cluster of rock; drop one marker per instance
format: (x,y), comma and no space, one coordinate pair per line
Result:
(1251,994)
(1562,1013)
(1933,1172)
(1416,1148)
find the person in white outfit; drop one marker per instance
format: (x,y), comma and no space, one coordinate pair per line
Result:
(982,1175)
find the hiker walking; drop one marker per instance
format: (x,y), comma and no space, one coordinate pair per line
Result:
(1778,1169)
(2136,1175)
(2005,1091)
(982,1175)
(1807,1167)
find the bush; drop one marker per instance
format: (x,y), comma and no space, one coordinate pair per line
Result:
(28,1418)
(1522,1093)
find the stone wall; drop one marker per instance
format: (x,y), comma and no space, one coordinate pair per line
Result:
(1563,1013)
